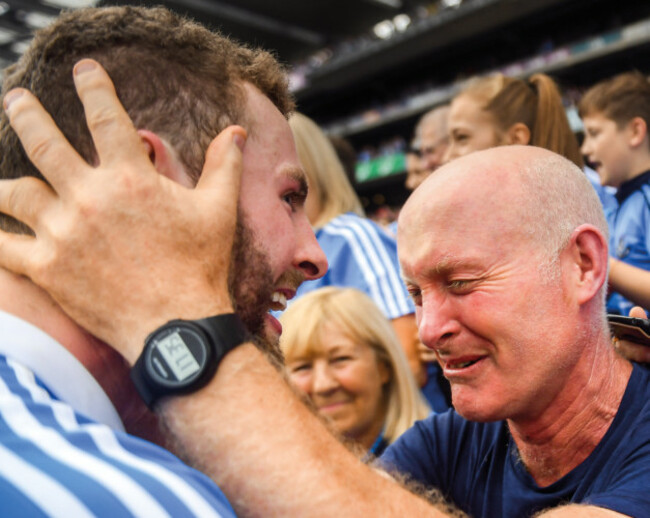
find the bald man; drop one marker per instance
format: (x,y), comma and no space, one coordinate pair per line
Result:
(505,255)
(430,143)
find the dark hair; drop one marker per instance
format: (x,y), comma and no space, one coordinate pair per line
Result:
(173,76)
(620,98)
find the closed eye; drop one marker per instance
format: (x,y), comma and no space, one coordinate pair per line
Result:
(460,285)
(415,294)
(300,367)
(295,199)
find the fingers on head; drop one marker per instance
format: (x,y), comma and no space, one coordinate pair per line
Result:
(16,251)
(25,199)
(44,144)
(113,133)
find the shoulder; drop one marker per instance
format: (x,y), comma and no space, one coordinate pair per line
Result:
(52,456)
(432,445)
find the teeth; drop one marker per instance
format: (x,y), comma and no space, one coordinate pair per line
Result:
(279,298)
(463,365)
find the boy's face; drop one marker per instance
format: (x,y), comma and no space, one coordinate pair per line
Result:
(607,149)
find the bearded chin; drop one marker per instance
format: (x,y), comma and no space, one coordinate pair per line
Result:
(251,285)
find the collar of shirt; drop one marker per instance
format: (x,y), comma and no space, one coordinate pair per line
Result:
(57,368)
(632,185)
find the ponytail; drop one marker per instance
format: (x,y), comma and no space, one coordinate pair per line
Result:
(551,129)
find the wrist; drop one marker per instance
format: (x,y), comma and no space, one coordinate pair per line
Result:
(182,356)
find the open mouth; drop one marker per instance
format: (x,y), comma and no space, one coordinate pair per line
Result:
(278,301)
(462,363)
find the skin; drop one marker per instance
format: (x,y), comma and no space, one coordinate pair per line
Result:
(620,153)
(433,143)
(345,380)
(470,128)
(612,150)
(248,456)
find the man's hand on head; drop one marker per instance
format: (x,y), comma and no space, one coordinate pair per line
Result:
(166,248)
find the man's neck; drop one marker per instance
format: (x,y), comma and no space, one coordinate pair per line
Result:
(23,299)
(558,441)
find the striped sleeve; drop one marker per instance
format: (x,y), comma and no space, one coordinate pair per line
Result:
(361,255)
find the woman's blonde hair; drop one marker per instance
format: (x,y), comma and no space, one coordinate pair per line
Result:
(535,102)
(324,170)
(354,314)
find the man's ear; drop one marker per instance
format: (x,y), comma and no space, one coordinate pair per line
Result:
(637,130)
(164,158)
(518,133)
(586,254)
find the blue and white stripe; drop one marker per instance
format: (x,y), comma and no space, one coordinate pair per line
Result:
(55,462)
(361,255)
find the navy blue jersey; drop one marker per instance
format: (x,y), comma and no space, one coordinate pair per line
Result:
(476,465)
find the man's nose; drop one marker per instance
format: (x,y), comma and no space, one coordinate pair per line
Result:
(437,322)
(310,258)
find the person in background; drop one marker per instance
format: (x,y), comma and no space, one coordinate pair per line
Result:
(428,147)
(427,150)
(616,117)
(342,353)
(359,252)
(499,110)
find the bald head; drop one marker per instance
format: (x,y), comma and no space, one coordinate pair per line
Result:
(523,191)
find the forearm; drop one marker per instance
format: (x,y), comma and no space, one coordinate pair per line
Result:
(631,282)
(270,455)
(579,511)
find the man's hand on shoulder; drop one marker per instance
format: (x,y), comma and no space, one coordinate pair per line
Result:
(163,245)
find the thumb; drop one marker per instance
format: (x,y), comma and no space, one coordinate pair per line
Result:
(637,312)
(223,163)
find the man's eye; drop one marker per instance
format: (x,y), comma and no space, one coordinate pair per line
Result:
(460,284)
(415,294)
(294,199)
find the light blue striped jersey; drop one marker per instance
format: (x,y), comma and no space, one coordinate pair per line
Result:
(362,255)
(57,461)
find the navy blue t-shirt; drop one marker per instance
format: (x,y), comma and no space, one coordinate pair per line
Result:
(476,465)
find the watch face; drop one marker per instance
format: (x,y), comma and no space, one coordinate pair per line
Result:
(177,356)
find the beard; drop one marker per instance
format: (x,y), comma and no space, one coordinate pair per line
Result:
(251,286)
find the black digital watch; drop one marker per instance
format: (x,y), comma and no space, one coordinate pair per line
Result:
(182,355)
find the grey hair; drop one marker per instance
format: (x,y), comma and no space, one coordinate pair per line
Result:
(561,198)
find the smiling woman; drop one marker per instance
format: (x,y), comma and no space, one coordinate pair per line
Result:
(343,354)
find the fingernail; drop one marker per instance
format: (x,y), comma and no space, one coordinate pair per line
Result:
(11,97)
(84,66)
(240,140)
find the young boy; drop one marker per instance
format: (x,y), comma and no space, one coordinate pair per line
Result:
(616,115)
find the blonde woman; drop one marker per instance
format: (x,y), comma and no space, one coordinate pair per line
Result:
(342,353)
(359,252)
